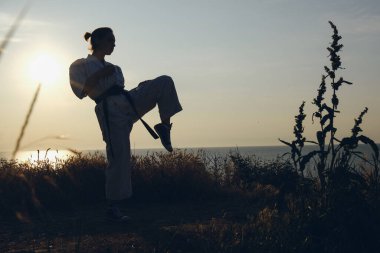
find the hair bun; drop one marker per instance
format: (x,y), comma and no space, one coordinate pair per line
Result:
(87,35)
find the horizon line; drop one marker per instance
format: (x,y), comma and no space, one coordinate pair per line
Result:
(155,148)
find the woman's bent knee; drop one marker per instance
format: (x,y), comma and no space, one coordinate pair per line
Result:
(165,79)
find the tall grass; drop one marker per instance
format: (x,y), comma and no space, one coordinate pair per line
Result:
(16,24)
(160,177)
(264,205)
(5,42)
(3,45)
(334,156)
(26,122)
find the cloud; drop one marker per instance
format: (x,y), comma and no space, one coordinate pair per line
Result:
(366,25)
(6,21)
(360,18)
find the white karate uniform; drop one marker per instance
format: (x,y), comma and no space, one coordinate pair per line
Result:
(121,116)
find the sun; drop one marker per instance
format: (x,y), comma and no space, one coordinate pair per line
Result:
(44,69)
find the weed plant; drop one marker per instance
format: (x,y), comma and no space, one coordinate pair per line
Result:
(348,191)
(333,155)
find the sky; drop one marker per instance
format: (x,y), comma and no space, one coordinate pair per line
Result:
(241,68)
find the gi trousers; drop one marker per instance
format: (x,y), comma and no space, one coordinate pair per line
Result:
(121,117)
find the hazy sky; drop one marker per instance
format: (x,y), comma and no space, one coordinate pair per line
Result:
(241,68)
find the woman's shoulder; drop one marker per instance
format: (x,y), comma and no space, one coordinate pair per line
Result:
(116,66)
(109,63)
(78,62)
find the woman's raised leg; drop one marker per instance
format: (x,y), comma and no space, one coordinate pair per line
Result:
(160,91)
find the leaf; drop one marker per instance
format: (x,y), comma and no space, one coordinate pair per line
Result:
(328,109)
(293,147)
(335,101)
(286,143)
(347,82)
(327,129)
(321,138)
(296,150)
(317,115)
(325,118)
(370,142)
(306,158)
(328,71)
(349,142)
(312,142)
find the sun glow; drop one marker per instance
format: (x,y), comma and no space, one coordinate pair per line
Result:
(52,156)
(44,68)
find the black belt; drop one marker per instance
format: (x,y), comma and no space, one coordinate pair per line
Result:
(118,90)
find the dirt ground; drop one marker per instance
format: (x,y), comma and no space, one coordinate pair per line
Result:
(154,227)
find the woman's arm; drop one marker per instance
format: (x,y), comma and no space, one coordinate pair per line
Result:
(93,80)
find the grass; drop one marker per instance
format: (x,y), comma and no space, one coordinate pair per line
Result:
(26,121)
(16,24)
(183,202)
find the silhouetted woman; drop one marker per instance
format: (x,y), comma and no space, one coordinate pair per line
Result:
(117,110)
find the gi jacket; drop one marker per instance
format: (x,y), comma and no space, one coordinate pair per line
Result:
(82,69)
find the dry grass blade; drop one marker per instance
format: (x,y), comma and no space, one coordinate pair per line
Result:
(14,27)
(49,137)
(19,139)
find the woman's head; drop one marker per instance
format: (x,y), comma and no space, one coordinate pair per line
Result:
(101,39)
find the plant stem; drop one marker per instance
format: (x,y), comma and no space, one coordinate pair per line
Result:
(26,121)
(332,133)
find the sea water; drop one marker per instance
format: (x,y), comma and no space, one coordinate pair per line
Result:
(260,152)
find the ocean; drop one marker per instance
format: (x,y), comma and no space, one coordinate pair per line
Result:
(261,152)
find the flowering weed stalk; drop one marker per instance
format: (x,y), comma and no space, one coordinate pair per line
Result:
(331,153)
